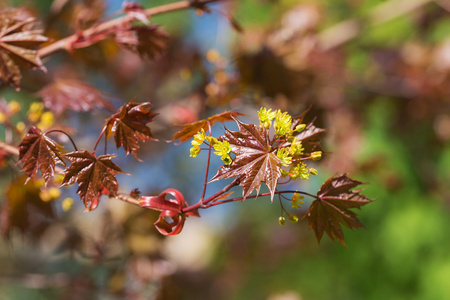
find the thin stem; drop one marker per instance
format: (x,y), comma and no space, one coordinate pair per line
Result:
(98,139)
(103,27)
(201,204)
(127,198)
(65,133)
(255,196)
(207,165)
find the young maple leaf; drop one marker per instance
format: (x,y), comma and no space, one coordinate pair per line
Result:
(39,152)
(74,94)
(255,161)
(310,136)
(16,41)
(332,208)
(129,126)
(148,41)
(191,129)
(93,175)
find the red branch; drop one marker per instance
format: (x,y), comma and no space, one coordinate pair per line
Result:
(102,27)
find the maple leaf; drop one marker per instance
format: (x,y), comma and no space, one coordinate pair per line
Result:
(74,94)
(332,207)
(93,174)
(255,161)
(129,126)
(148,41)
(310,136)
(17,38)
(39,152)
(191,129)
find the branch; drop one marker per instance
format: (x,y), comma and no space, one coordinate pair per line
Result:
(66,42)
(9,148)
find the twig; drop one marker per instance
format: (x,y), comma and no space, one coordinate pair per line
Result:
(66,42)
(9,148)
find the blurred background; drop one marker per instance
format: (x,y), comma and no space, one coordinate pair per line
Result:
(375,73)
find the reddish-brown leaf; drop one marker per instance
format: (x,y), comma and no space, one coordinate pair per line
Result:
(332,207)
(136,11)
(72,94)
(93,174)
(129,126)
(189,130)
(17,39)
(39,152)
(148,41)
(255,161)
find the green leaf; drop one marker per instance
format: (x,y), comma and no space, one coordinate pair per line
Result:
(255,161)
(332,208)
(95,176)
(39,152)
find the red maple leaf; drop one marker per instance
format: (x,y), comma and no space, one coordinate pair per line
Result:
(129,126)
(148,41)
(17,39)
(74,94)
(39,152)
(95,176)
(332,208)
(191,129)
(255,161)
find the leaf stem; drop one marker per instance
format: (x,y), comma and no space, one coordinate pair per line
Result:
(127,198)
(66,43)
(207,166)
(98,139)
(255,196)
(66,134)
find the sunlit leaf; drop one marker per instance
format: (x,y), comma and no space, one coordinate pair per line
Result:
(72,94)
(95,176)
(39,152)
(255,161)
(332,207)
(129,126)
(17,40)
(189,130)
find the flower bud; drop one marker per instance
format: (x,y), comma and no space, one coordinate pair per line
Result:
(293,219)
(281,220)
(316,155)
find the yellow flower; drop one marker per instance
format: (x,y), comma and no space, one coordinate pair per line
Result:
(226,158)
(265,117)
(14,107)
(198,138)
(283,154)
(296,147)
(282,124)
(47,121)
(281,220)
(296,200)
(67,204)
(35,111)
(195,151)
(222,148)
(299,171)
